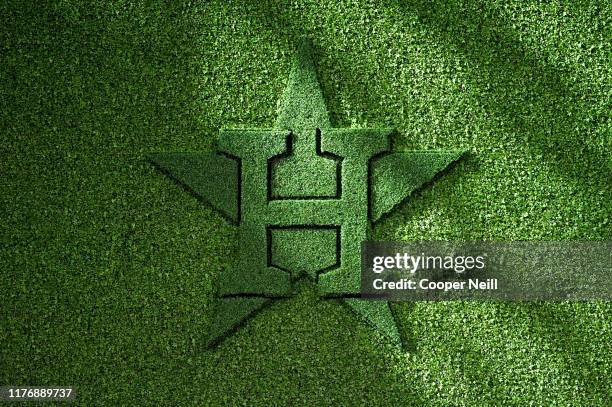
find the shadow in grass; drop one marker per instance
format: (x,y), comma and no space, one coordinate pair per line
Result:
(105,75)
(305,350)
(518,87)
(82,79)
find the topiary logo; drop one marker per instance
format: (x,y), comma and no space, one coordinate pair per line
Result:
(305,196)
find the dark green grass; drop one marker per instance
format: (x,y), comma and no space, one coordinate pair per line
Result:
(107,266)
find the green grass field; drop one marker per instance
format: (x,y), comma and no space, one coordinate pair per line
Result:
(108,267)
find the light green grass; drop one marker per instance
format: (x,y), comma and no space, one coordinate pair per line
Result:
(108,267)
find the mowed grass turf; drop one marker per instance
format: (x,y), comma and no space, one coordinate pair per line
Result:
(108,266)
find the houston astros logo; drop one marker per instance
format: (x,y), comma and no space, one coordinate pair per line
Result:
(304,196)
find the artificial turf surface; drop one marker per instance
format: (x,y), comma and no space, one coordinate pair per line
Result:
(108,267)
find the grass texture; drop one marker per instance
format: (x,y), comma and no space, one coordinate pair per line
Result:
(108,268)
